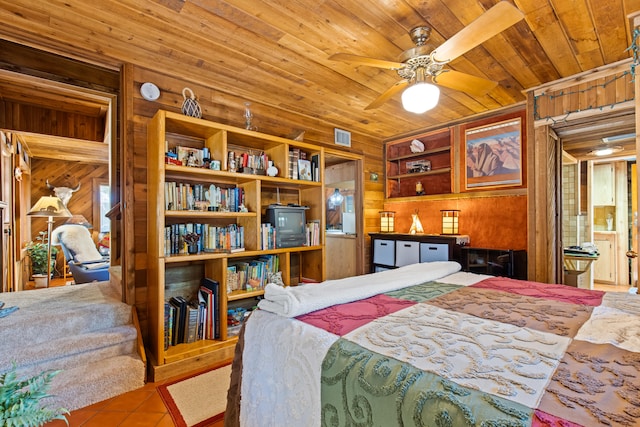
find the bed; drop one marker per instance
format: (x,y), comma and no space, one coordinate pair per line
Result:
(429,345)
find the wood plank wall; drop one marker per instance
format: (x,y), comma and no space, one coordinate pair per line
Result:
(30,118)
(227,108)
(584,95)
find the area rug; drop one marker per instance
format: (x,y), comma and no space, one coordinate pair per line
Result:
(198,400)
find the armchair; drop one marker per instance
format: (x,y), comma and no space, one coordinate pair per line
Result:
(80,252)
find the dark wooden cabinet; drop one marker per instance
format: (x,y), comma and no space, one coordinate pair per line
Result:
(428,163)
(495,262)
(393,250)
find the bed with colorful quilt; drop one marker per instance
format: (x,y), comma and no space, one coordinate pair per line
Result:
(429,345)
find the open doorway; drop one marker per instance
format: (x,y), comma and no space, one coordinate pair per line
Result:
(67,133)
(599,206)
(344,238)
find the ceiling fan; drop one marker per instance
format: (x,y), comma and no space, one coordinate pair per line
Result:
(421,62)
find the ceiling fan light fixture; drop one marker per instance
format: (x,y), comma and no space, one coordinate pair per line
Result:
(420,97)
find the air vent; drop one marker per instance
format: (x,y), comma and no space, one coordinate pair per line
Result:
(342,137)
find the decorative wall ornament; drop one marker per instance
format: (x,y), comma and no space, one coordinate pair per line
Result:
(190,106)
(63,193)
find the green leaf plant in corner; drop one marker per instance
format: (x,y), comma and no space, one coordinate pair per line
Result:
(20,400)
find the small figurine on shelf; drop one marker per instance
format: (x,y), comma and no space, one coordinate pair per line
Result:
(419,189)
(191,239)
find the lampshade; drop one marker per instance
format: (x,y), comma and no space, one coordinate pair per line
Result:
(420,97)
(49,206)
(450,221)
(336,198)
(387,221)
(79,220)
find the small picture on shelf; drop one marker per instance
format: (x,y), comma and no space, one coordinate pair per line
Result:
(304,170)
(418,166)
(190,156)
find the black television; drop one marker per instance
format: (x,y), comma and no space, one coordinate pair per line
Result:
(289,223)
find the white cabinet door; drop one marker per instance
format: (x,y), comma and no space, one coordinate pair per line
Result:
(603,188)
(604,269)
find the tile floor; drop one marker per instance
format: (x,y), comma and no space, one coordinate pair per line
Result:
(138,408)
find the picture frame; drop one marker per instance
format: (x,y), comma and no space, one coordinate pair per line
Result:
(190,156)
(304,170)
(493,155)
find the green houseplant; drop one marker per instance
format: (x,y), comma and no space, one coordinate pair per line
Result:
(38,254)
(20,400)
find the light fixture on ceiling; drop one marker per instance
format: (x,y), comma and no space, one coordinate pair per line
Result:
(420,96)
(605,151)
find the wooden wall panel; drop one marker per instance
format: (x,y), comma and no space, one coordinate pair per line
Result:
(30,118)
(497,222)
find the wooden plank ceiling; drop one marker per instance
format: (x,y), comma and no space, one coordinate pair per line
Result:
(277,52)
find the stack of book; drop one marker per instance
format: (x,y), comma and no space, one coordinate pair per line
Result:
(190,321)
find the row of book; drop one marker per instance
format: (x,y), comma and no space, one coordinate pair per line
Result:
(248,160)
(267,236)
(313,233)
(251,275)
(211,238)
(198,319)
(185,196)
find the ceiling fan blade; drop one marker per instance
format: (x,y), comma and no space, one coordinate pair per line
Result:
(387,94)
(371,62)
(492,22)
(464,82)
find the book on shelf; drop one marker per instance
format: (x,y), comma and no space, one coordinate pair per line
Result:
(191,323)
(214,287)
(232,279)
(206,297)
(180,303)
(169,316)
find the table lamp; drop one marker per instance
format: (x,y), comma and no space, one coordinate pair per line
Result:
(450,221)
(49,206)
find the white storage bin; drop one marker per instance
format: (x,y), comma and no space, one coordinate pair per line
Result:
(384,252)
(407,252)
(434,252)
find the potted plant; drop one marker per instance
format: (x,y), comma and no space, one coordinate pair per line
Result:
(191,239)
(20,400)
(38,255)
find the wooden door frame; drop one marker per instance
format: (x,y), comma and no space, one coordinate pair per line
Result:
(358,202)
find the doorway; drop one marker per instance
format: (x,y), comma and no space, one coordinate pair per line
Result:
(69,134)
(344,237)
(597,194)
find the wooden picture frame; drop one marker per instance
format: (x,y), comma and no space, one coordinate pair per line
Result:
(493,155)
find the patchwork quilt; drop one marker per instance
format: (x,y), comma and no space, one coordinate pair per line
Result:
(458,350)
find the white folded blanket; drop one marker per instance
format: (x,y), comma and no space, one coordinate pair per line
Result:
(297,300)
